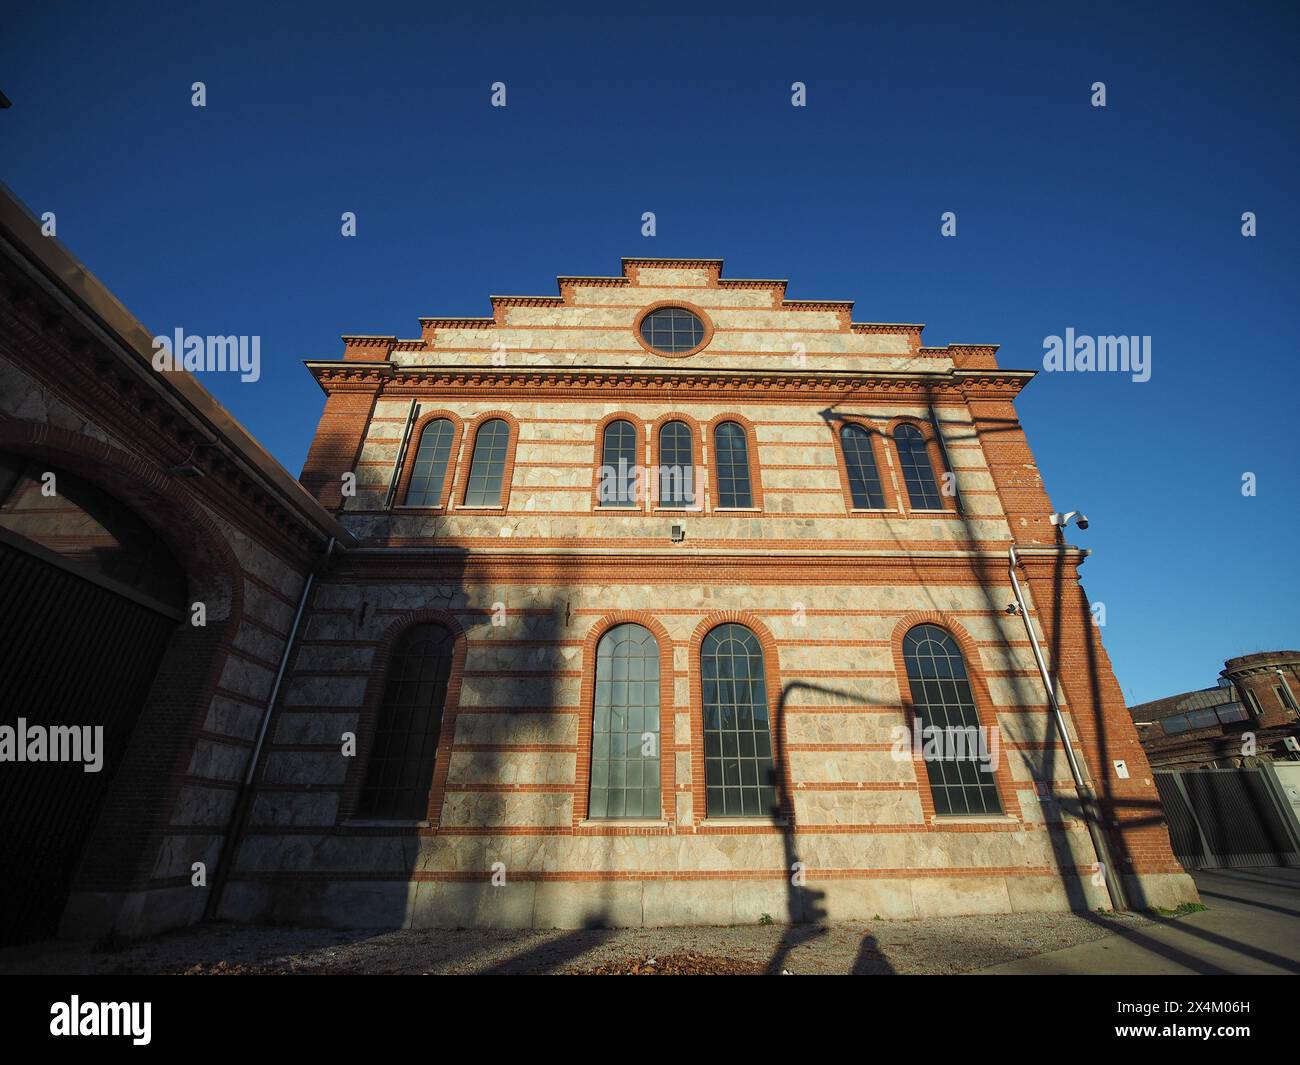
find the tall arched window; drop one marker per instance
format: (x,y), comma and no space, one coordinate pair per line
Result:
(860,463)
(731,449)
(487,467)
(429,474)
(676,465)
(739,774)
(618,463)
(918,474)
(949,724)
(399,770)
(625,726)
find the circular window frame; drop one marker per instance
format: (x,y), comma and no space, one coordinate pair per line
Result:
(682,305)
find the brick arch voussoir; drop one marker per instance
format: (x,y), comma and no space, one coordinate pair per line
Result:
(189,532)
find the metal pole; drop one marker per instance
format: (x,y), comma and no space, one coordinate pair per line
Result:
(229,848)
(401,454)
(1087,798)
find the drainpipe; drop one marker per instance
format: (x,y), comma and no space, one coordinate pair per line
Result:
(235,829)
(1087,797)
(947,462)
(401,454)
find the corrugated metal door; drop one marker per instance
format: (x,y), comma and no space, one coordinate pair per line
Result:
(1224,818)
(72,653)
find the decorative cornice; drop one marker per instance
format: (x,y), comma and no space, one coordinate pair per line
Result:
(444,381)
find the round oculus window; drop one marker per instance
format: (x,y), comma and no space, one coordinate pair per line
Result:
(672,330)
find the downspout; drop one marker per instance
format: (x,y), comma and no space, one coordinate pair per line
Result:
(1087,797)
(235,829)
(947,462)
(401,455)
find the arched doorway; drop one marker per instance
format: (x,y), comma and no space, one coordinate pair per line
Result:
(89,598)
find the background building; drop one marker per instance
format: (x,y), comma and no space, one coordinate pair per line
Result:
(1227,764)
(1251,716)
(464,684)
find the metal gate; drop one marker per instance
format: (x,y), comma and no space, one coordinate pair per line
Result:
(1228,818)
(72,653)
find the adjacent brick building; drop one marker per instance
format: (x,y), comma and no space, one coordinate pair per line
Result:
(1251,716)
(621,601)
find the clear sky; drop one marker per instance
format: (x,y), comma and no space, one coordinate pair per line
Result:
(1117,220)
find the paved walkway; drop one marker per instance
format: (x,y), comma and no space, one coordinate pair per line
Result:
(1252,926)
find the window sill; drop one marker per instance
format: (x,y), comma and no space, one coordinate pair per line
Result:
(743,822)
(623,822)
(611,508)
(415,506)
(873,510)
(362,822)
(737,510)
(973,819)
(494,507)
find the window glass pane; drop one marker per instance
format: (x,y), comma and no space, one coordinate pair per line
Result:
(860,461)
(1230,712)
(625,726)
(732,458)
(676,465)
(487,468)
(672,329)
(739,773)
(429,474)
(1175,724)
(918,474)
(618,461)
(946,714)
(399,770)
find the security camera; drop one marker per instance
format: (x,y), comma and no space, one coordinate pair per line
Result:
(1062,520)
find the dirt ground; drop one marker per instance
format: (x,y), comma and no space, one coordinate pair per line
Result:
(929,946)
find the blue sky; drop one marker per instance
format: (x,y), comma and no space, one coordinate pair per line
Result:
(1122,220)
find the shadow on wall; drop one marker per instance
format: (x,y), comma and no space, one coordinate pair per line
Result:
(805,909)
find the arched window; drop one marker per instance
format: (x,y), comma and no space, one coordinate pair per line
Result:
(731,445)
(429,474)
(618,463)
(860,463)
(918,474)
(948,724)
(399,770)
(676,465)
(739,774)
(625,726)
(488,466)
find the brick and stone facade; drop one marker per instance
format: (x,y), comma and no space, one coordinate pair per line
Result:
(78,394)
(529,585)
(250,754)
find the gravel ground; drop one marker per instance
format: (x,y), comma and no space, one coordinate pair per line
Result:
(931,946)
